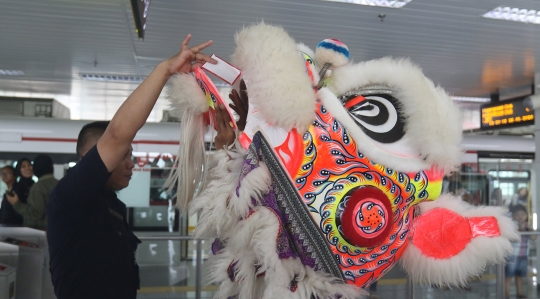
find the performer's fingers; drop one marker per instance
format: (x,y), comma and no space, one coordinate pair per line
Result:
(238,105)
(243,87)
(244,95)
(202,58)
(199,47)
(185,42)
(199,64)
(241,113)
(219,119)
(225,118)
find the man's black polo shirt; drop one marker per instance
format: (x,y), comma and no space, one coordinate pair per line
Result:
(91,246)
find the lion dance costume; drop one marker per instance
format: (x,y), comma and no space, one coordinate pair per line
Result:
(336,177)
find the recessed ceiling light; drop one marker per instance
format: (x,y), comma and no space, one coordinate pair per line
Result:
(381,3)
(470,99)
(11,72)
(514,14)
(94,77)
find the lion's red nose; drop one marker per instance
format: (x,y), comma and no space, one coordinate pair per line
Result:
(366,219)
(442,233)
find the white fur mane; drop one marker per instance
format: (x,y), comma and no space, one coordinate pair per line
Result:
(275,76)
(433,122)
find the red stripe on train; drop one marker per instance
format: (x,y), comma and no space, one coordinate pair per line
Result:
(75,140)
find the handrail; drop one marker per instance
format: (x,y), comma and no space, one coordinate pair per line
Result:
(166,238)
(529,233)
(410,287)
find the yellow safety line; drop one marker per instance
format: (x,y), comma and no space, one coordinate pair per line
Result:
(392,281)
(213,288)
(176,289)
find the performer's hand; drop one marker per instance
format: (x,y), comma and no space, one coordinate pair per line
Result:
(226,134)
(241,104)
(189,58)
(12,198)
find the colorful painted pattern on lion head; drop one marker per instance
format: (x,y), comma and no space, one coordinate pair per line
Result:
(361,172)
(364,208)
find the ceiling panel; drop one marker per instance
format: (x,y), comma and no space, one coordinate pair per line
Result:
(52,41)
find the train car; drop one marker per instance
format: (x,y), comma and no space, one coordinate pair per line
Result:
(24,135)
(59,136)
(497,146)
(497,170)
(154,149)
(490,162)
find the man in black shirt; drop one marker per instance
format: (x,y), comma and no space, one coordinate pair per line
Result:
(91,246)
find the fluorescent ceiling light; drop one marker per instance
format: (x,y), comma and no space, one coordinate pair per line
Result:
(381,3)
(94,77)
(12,72)
(514,14)
(471,99)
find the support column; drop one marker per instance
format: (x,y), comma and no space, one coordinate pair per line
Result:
(535,175)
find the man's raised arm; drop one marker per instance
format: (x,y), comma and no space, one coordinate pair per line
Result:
(132,114)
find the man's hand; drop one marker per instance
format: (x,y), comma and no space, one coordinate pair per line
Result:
(226,134)
(189,58)
(134,112)
(241,104)
(13,199)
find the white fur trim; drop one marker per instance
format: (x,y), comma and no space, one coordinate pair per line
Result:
(253,186)
(188,103)
(219,206)
(303,48)
(191,160)
(469,262)
(364,143)
(327,55)
(184,94)
(275,76)
(253,242)
(211,202)
(433,123)
(249,233)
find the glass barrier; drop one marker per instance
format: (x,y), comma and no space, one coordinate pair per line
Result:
(493,283)
(492,183)
(165,273)
(396,285)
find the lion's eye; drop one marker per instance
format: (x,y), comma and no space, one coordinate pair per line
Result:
(378,115)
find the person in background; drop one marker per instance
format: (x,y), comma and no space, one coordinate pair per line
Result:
(91,246)
(496,197)
(24,172)
(457,189)
(8,216)
(23,182)
(520,198)
(33,211)
(519,260)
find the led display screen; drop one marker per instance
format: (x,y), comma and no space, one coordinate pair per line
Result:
(504,114)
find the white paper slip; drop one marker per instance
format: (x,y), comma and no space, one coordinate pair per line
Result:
(223,70)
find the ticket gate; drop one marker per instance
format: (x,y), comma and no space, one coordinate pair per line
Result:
(32,269)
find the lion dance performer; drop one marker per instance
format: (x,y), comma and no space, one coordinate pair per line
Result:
(335,178)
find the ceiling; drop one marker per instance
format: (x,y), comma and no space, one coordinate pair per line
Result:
(53,41)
